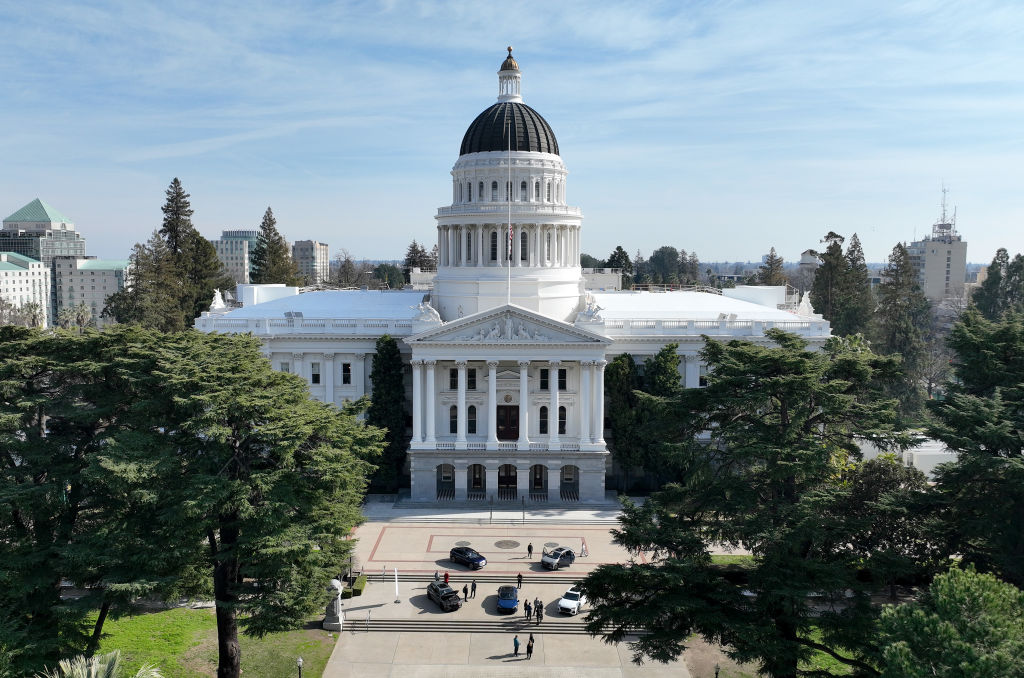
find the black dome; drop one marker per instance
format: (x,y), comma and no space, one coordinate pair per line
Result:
(488,131)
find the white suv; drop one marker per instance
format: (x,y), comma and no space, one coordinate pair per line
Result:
(572,602)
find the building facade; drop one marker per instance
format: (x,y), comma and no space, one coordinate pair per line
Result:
(234,249)
(24,280)
(505,355)
(313,260)
(40,232)
(89,281)
(940,260)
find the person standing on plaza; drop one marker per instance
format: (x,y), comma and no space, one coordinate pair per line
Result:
(529,648)
(529,550)
(465,591)
(539,613)
(519,580)
(515,646)
(446,576)
(528,609)
(437,576)
(472,590)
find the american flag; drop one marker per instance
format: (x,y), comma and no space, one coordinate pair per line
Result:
(510,237)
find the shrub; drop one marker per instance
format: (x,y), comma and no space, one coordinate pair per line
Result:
(357,588)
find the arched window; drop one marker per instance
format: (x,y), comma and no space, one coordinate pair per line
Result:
(508,191)
(471,419)
(523,195)
(469,192)
(549,191)
(469,246)
(561,421)
(542,421)
(480,195)
(536,191)
(524,244)
(494,191)
(494,246)
(453,419)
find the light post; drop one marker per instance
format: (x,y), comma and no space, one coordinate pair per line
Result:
(298,662)
(717,669)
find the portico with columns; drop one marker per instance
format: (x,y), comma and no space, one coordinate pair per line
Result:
(508,405)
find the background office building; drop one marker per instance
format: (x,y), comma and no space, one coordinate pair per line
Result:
(87,280)
(313,260)
(940,260)
(24,280)
(234,249)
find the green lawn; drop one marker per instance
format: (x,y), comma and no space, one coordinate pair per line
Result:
(741,560)
(183,643)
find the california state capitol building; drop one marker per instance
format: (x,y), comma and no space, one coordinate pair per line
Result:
(506,353)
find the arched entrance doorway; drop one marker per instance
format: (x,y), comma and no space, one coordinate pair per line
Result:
(445,482)
(476,482)
(507,482)
(570,483)
(538,482)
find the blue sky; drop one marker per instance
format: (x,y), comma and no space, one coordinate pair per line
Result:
(721,127)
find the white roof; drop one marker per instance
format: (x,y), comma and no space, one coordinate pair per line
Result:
(390,304)
(681,305)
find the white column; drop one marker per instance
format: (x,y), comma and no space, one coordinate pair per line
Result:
(417,401)
(691,377)
(480,254)
(329,378)
(297,366)
(553,442)
(359,373)
(492,412)
(460,438)
(585,400)
(524,406)
(599,401)
(429,412)
(516,242)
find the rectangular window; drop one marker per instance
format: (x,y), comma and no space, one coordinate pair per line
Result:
(544,379)
(453,379)
(314,373)
(286,368)
(561,379)
(346,373)
(471,379)
(702,379)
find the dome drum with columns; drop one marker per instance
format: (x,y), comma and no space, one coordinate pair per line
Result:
(506,355)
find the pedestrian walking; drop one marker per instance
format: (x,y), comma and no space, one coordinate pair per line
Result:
(515,646)
(519,580)
(472,590)
(529,648)
(437,577)
(465,591)
(536,604)
(446,576)
(529,550)
(540,615)
(528,609)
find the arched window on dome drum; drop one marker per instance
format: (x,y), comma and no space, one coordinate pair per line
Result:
(453,419)
(536,191)
(469,191)
(542,421)
(523,193)
(480,195)
(471,419)
(460,192)
(561,421)
(508,191)
(524,246)
(549,192)
(494,191)
(494,246)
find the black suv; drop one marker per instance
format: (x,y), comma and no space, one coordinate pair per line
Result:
(445,596)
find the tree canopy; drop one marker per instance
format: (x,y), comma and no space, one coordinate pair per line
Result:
(1003,287)
(771,272)
(271,258)
(387,411)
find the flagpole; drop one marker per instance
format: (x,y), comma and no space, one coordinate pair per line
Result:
(508,286)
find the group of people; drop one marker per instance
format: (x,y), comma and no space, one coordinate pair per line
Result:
(468,590)
(529,647)
(536,610)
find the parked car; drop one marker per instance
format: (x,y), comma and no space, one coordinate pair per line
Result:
(445,596)
(508,599)
(559,557)
(572,602)
(467,556)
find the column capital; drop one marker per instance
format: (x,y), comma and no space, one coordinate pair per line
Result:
(360,355)
(429,363)
(554,363)
(600,364)
(298,356)
(492,364)
(328,357)
(524,363)
(416,362)
(588,363)
(461,364)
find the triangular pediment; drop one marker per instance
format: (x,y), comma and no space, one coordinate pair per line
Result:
(507,325)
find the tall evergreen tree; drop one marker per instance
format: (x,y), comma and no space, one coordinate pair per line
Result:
(154,289)
(202,273)
(664,264)
(620,383)
(783,423)
(620,259)
(772,272)
(853,313)
(387,411)
(177,217)
(1003,288)
(829,277)
(903,316)
(271,260)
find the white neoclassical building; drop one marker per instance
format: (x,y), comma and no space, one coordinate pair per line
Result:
(506,354)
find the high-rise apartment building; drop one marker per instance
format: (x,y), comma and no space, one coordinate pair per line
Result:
(40,232)
(313,260)
(234,249)
(24,280)
(940,259)
(87,280)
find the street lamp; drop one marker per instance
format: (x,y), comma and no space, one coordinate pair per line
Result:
(717,669)
(298,662)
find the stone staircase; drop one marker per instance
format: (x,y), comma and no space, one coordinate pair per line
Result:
(355,623)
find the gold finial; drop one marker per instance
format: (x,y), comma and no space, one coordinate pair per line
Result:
(510,50)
